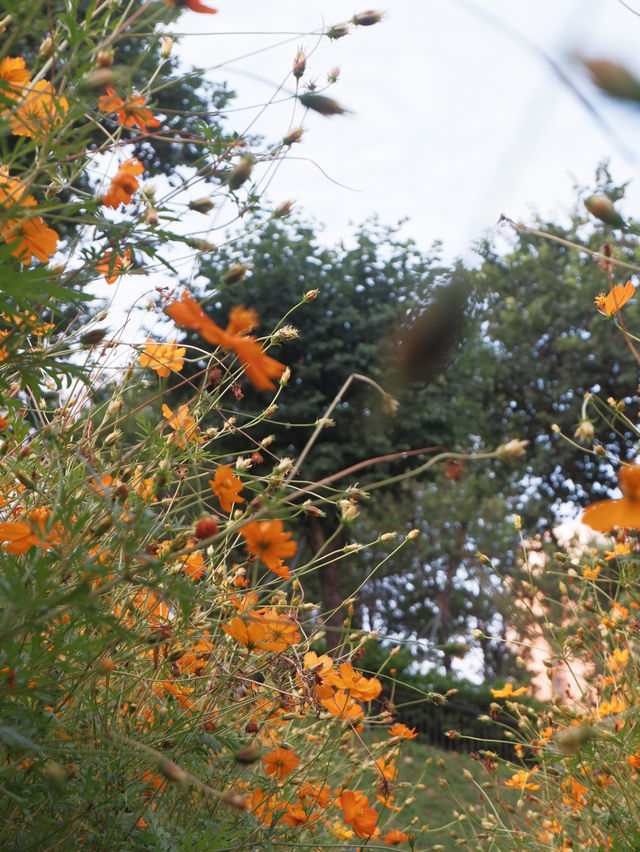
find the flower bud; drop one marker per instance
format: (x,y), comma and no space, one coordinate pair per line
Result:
(166,46)
(47,48)
(206,528)
(201,205)
(104,58)
(174,773)
(333,75)
(299,64)
(93,337)
(338,31)
(236,273)
(511,450)
(240,173)
(283,210)
(367,19)
(585,432)
(602,208)
(613,79)
(348,511)
(293,136)
(321,104)
(310,295)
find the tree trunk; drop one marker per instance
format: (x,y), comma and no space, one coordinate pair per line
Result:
(333,612)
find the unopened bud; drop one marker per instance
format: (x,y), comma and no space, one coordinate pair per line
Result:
(299,64)
(286,375)
(240,173)
(151,217)
(93,337)
(585,432)
(236,273)
(293,136)
(348,511)
(321,104)
(333,75)
(283,209)
(201,205)
(602,208)
(47,48)
(166,46)
(310,295)
(367,19)
(174,773)
(338,31)
(511,450)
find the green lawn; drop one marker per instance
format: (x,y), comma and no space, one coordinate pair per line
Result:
(439,794)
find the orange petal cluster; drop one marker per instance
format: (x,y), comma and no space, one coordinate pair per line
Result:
(267,541)
(29,232)
(618,296)
(112,268)
(36,108)
(605,515)
(163,357)
(183,425)
(131,112)
(124,184)
(357,813)
(259,367)
(226,487)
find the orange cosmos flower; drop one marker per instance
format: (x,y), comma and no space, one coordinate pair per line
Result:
(591,573)
(23,535)
(111,268)
(400,730)
(508,691)
(250,635)
(124,184)
(618,660)
(193,6)
(605,515)
(360,687)
(38,111)
(20,535)
(183,424)
(616,298)
(163,357)
(268,541)
(393,837)
(520,780)
(30,233)
(259,367)
(130,112)
(342,705)
(15,77)
(278,631)
(358,814)
(623,549)
(280,762)
(226,487)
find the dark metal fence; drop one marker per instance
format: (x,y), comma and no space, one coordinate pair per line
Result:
(435,722)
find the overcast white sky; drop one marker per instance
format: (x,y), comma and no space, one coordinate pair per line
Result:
(455,118)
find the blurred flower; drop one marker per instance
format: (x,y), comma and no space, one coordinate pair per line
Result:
(111,269)
(508,691)
(226,487)
(400,730)
(163,357)
(393,837)
(124,184)
(38,111)
(619,550)
(193,6)
(604,515)
(520,780)
(30,233)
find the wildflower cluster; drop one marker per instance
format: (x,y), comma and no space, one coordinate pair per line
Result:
(158,652)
